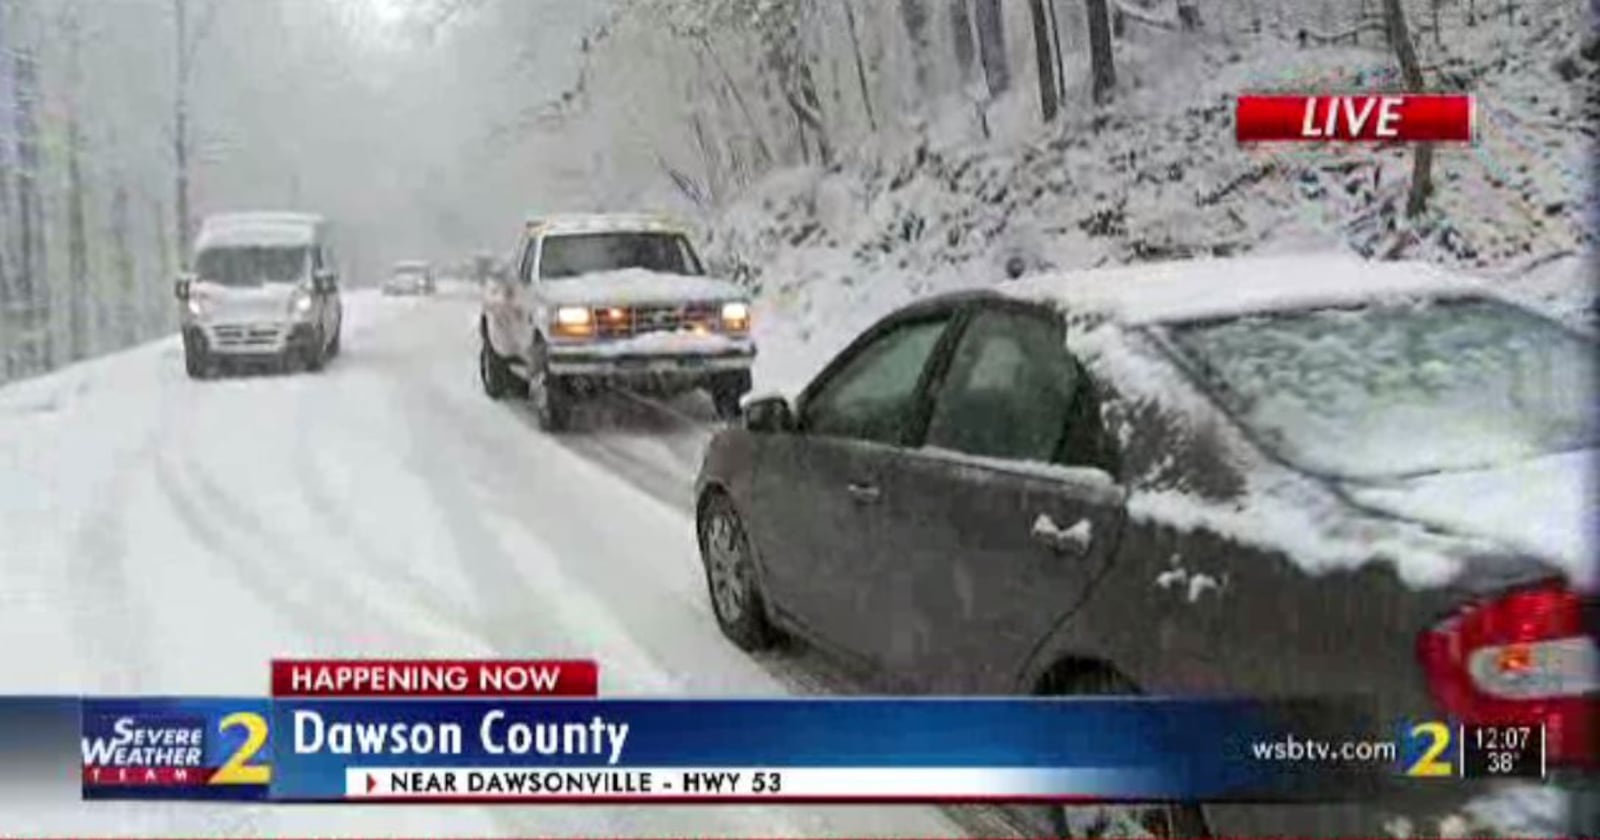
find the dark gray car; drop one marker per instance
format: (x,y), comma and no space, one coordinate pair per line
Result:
(1107,484)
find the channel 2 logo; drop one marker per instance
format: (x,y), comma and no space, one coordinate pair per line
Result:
(140,753)
(1426,748)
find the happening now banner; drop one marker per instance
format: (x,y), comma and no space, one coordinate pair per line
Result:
(539,732)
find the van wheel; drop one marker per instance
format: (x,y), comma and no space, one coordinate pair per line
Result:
(1098,821)
(196,361)
(333,346)
(316,355)
(736,597)
(496,375)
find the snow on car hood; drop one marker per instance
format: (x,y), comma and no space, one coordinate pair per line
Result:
(1544,507)
(637,285)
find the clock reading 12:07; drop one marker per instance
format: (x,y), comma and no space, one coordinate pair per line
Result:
(1503,751)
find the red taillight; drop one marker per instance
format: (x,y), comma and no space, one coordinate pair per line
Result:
(1524,657)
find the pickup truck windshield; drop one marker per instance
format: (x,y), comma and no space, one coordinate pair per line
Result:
(251,266)
(575,254)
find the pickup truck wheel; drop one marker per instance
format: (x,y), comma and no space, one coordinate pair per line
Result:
(552,401)
(493,372)
(726,391)
(736,597)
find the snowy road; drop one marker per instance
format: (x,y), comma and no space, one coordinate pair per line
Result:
(169,536)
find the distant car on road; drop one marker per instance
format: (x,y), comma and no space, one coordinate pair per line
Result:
(611,299)
(1258,478)
(411,277)
(264,289)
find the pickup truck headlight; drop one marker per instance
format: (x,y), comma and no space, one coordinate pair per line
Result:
(574,321)
(736,316)
(196,305)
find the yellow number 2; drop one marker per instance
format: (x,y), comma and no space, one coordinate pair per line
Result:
(1428,764)
(237,770)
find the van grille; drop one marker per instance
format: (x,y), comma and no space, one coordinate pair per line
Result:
(248,336)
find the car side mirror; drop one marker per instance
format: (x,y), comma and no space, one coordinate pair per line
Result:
(182,286)
(324,280)
(768,415)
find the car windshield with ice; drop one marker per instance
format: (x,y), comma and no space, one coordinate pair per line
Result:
(251,265)
(576,254)
(1387,391)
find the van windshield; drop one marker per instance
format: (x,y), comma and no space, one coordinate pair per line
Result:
(252,265)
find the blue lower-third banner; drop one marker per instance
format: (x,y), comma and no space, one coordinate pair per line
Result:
(790,750)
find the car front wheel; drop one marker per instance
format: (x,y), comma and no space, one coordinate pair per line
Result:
(731,582)
(196,361)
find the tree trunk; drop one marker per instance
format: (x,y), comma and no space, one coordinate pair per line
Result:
(1055,43)
(1101,68)
(756,136)
(915,17)
(861,65)
(79,297)
(1394,17)
(992,46)
(8,294)
(33,293)
(1044,59)
(961,39)
(180,133)
(129,314)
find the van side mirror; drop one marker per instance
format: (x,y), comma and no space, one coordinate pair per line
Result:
(769,415)
(182,286)
(323,280)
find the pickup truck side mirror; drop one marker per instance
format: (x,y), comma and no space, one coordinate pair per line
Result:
(182,285)
(769,415)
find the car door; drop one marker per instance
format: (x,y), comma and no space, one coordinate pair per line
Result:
(816,491)
(997,526)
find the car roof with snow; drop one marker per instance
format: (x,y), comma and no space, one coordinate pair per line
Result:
(1217,288)
(601,223)
(258,229)
(412,265)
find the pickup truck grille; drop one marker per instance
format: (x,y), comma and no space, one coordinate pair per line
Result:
(621,322)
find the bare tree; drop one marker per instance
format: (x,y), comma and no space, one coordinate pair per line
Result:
(915,17)
(992,46)
(1044,59)
(32,294)
(1101,68)
(961,39)
(79,297)
(861,64)
(1411,74)
(186,41)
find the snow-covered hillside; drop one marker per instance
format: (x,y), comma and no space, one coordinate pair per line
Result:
(1158,176)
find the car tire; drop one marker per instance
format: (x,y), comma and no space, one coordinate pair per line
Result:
(316,355)
(1097,821)
(731,580)
(493,371)
(727,390)
(333,346)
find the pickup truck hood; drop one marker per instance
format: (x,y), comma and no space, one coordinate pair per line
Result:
(1543,507)
(266,302)
(635,286)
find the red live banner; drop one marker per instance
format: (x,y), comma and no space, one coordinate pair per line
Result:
(435,678)
(1378,117)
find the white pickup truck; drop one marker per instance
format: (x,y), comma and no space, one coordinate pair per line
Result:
(594,301)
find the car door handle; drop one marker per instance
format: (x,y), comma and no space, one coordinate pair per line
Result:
(864,493)
(1072,541)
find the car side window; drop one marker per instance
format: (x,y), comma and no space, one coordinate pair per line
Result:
(1009,392)
(525,267)
(873,396)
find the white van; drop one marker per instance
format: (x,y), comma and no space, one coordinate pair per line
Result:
(263,288)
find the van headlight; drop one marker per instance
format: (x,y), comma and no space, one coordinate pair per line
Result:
(300,305)
(736,316)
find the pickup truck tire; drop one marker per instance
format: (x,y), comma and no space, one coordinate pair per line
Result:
(493,371)
(726,391)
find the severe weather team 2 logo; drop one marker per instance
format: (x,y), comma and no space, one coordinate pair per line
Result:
(173,750)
